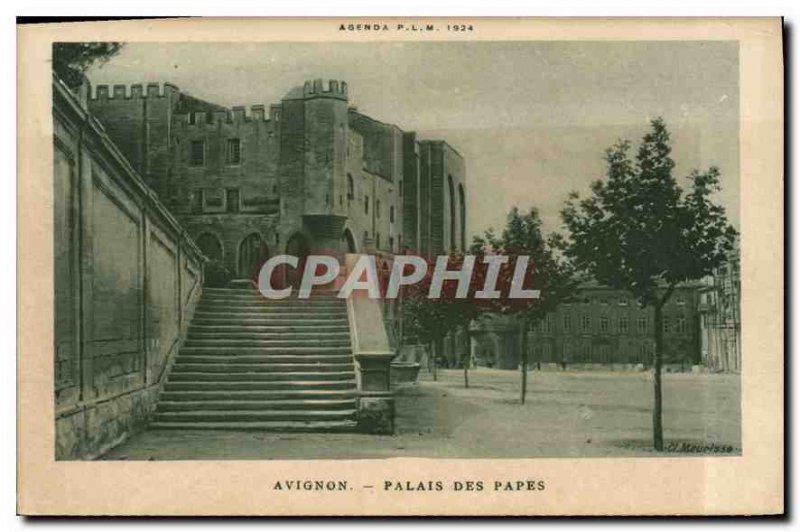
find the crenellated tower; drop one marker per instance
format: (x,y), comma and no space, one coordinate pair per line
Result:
(313,154)
(138,118)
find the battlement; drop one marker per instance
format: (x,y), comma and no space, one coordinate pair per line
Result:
(235,115)
(132,92)
(319,89)
(333,89)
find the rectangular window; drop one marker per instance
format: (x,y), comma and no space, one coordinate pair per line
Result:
(234,152)
(567,323)
(623,324)
(680,325)
(391,244)
(642,324)
(391,213)
(366,204)
(666,325)
(586,322)
(548,323)
(197,155)
(232,200)
(603,324)
(623,302)
(197,204)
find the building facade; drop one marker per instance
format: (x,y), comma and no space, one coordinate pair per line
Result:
(720,318)
(310,174)
(602,327)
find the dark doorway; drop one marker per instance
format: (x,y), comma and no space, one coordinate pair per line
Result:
(350,240)
(253,252)
(297,246)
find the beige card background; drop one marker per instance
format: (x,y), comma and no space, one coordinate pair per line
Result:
(749,484)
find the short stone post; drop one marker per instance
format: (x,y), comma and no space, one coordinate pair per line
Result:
(376,409)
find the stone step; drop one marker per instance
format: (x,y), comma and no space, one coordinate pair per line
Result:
(311,302)
(194,334)
(256,395)
(273,415)
(258,298)
(250,377)
(259,359)
(348,385)
(301,314)
(269,321)
(262,426)
(217,350)
(267,310)
(181,367)
(257,342)
(272,329)
(259,406)
(322,292)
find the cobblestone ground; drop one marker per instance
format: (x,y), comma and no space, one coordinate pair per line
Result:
(573,414)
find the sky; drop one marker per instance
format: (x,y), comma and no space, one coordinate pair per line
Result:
(531,119)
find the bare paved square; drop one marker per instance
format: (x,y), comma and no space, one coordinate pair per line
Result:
(567,414)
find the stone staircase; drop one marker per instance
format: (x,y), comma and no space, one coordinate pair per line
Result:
(250,363)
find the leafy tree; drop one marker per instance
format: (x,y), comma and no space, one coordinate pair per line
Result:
(71,60)
(546,272)
(640,231)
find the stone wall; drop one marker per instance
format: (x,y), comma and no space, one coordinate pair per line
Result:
(127,277)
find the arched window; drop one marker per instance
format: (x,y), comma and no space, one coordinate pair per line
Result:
(350,187)
(210,245)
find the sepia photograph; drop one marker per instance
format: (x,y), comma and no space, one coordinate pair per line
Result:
(423,259)
(614,166)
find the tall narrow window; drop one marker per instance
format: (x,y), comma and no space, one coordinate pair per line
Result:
(232,200)
(391,213)
(197,155)
(623,324)
(366,204)
(567,323)
(197,205)
(585,323)
(350,187)
(234,152)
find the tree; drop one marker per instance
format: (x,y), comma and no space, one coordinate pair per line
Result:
(430,320)
(546,272)
(640,231)
(71,60)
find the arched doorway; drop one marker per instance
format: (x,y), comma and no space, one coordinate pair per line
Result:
(210,245)
(297,246)
(451,196)
(462,218)
(253,252)
(350,240)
